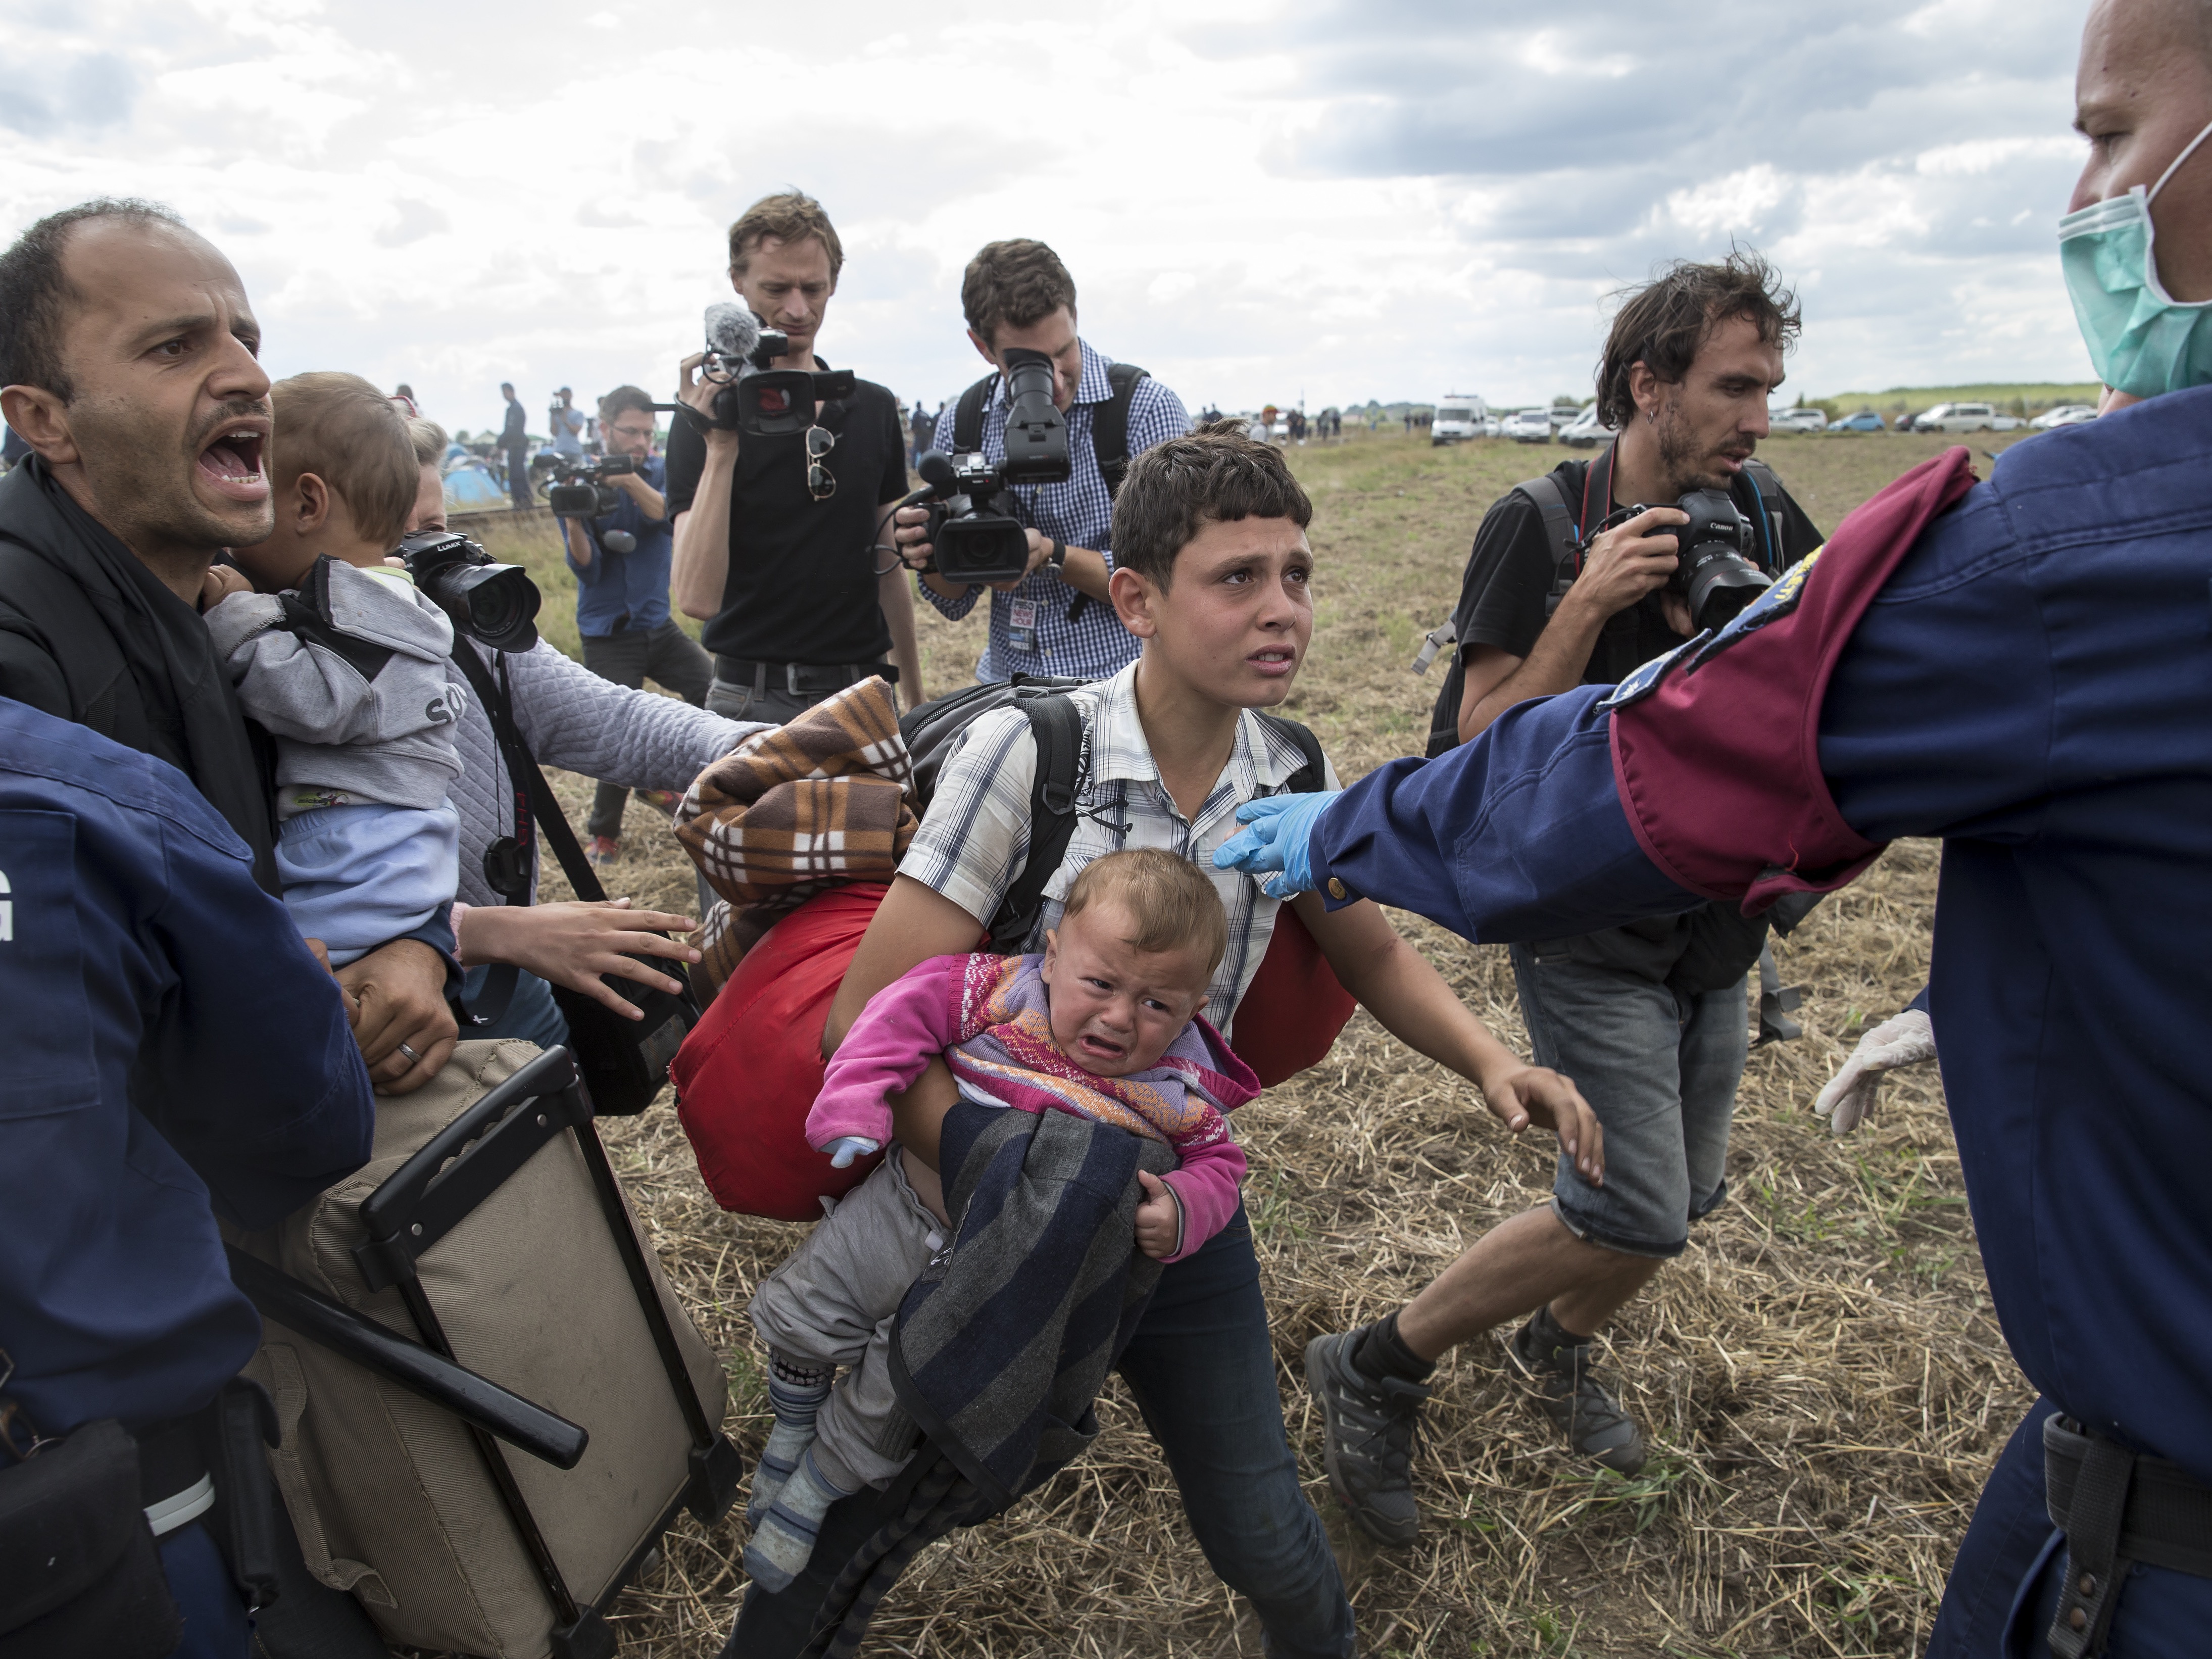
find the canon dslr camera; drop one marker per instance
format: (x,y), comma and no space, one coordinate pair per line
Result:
(1711,571)
(494,603)
(755,398)
(972,529)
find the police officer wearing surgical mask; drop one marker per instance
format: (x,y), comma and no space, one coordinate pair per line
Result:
(2021,667)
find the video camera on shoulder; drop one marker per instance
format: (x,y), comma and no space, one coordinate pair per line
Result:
(494,603)
(1712,572)
(972,529)
(579,489)
(755,398)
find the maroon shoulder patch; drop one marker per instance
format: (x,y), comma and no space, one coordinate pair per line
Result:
(1715,747)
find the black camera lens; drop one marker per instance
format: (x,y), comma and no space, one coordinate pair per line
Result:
(496,602)
(575,500)
(1713,575)
(981,548)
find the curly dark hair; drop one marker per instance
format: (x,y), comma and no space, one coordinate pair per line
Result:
(1216,474)
(1663,323)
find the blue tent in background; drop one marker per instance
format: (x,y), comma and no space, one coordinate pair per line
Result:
(469,483)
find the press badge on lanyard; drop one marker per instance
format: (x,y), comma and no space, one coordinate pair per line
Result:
(1021,626)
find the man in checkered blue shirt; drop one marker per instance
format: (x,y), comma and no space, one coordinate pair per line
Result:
(1057,619)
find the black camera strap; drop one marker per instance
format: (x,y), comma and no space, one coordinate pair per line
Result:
(534,806)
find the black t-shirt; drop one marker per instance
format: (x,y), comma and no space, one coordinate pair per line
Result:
(802,586)
(1515,560)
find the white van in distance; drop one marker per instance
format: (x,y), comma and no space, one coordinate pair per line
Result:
(1459,418)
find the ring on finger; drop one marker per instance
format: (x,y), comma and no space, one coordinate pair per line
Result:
(413,1059)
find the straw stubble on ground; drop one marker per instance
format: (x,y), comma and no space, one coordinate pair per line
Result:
(1820,1376)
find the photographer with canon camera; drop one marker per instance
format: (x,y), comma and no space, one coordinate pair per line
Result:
(1021,486)
(614,524)
(781,474)
(1581,577)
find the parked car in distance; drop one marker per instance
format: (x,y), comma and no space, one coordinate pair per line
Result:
(2064,414)
(1966,418)
(1528,426)
(1801,419)
(1459,417)
(1585,431)
(1564,415)
(1865,421)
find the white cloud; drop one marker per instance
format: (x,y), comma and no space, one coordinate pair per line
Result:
(1373,201)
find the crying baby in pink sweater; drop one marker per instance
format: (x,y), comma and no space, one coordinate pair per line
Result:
(1104,1025)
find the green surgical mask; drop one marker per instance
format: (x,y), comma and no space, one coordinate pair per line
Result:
(2142,340)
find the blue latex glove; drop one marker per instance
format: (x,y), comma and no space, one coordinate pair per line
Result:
(1276,841)
(843,1150)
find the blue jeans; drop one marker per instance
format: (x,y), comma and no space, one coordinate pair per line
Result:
(1661,1073)
(1202,1368)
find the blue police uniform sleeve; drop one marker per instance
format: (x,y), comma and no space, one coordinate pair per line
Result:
(266,1094)
(1518,834)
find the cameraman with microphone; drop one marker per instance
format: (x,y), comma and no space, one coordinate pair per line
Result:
(1649,1020)
(782,546)
(621,561)
(1018,296)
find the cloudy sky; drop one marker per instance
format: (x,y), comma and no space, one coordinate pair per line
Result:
(1261,202)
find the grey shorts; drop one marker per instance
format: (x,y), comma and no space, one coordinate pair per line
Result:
(1661,1078)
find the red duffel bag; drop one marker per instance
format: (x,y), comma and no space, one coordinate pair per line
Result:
(747,1075)
(1293,1009)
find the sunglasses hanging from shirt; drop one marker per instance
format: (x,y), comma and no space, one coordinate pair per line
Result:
(820,483)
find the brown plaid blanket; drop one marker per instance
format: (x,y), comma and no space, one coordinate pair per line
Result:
(792,811)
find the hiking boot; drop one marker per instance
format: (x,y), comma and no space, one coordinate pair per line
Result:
(1368,1447)
(664,801)
(603,849)
(1564,1389)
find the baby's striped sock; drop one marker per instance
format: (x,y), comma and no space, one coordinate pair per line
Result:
(796,1390)
(783,1543)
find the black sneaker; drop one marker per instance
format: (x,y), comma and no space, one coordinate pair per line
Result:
(1564,1390)
(1368,1445)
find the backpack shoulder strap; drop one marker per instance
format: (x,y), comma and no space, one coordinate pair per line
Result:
(1057,725)
(968,416)
(1109,433)
(1314,775)
(1559,526)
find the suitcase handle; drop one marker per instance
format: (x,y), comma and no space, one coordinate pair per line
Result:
(473,1398)
(463,1165)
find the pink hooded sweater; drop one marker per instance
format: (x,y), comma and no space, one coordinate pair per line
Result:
(989,1018)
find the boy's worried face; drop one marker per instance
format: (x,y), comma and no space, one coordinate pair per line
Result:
(1234,624)
(1115,1008)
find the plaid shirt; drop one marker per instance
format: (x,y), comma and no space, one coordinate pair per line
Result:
(1079,513)
(975,839)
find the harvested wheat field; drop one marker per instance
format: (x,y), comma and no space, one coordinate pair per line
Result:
(1820,1376)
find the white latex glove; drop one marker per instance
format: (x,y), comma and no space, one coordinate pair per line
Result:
(843,1150)
(1905,1039)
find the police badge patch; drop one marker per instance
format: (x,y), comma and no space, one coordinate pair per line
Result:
(1645,680)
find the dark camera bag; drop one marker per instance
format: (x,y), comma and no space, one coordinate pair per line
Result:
(79,1571)
(624,1062)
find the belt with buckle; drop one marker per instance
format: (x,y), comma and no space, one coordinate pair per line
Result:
(799,680)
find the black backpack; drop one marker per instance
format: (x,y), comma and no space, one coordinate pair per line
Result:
(1616,640)
(1109,433)
(1057,725)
